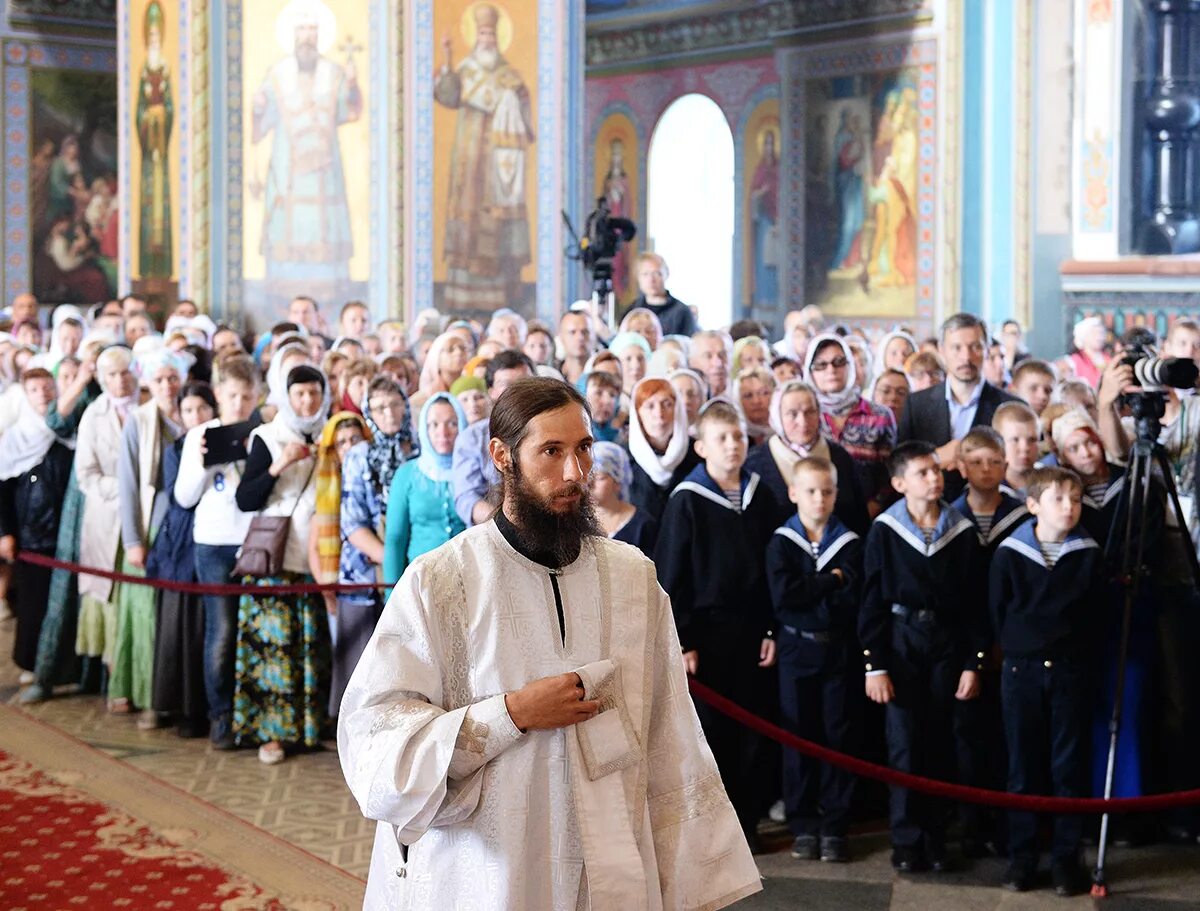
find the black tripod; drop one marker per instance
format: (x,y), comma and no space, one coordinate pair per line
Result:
(1145,455)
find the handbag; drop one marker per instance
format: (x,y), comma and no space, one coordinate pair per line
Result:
(261,553)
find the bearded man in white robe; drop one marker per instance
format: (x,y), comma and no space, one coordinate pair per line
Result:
(520,723)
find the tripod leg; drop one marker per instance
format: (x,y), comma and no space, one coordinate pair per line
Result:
(1134,494)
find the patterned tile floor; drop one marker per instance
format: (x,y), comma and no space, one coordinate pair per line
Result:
(305,801)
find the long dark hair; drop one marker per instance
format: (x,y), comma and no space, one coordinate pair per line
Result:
(523,401)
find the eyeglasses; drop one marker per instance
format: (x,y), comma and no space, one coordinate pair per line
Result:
(819,366)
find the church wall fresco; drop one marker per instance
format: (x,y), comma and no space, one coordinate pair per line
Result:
(61,169)
(154,63)
(485,136)
(617,176)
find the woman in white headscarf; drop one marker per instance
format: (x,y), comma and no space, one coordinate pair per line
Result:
(893,350)
(865,430)
(444,363)
(97,449)
(796,422)
(281,687)
(659,444)
(152,427)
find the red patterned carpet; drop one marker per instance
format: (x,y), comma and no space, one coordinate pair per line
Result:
(61,849)
(80,829)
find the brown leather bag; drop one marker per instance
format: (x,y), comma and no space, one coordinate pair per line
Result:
(261,554)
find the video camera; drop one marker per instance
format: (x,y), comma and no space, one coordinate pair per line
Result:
(603,234)
(1155,375)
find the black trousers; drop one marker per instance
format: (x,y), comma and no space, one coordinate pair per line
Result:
(980,750)
(818,696)
(729,665)
(30,588)
(924,667)
(1047,710)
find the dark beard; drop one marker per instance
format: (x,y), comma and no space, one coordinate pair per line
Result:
(557,537)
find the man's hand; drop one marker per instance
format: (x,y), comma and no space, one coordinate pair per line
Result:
(1115,379)
(549,703)
(968,686)
(691,662)
(947,454)
(880,689)
(766,653)
(8,548)
(136,556)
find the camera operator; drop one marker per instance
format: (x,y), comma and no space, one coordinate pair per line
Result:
(676,317)
(1172,591)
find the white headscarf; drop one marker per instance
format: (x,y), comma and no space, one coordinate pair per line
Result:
(777,413)
(276,382)
(835,403)
(882,347)
(659,467)
(25,442)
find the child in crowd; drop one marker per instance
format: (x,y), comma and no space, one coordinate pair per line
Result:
(471,392)
(924,635)
(711,546)
(1077,394)
(1034,381)
(1045,582)
(218,530)
(603,393)
(1077,440)
(996,514)
(814,570)
(994,511)
(1017,425)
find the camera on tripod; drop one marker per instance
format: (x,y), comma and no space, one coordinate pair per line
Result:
(1154,375)
(603,234)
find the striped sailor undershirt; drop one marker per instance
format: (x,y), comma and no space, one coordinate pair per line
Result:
(734,497)
(984,520)
(1050,552)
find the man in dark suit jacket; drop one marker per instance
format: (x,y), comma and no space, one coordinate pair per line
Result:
(945,413)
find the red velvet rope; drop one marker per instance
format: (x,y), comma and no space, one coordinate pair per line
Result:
(194,588)
(1030,802)
(853,764)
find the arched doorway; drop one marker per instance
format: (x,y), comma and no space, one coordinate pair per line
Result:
(689,205)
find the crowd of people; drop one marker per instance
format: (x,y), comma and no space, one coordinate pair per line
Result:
(903,548)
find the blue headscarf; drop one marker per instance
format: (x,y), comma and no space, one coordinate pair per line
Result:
(431,463)
(613,460)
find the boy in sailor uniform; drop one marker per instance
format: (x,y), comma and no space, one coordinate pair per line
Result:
(1045,587)
(710,557)
(924,635)
(814,569)
(978,733)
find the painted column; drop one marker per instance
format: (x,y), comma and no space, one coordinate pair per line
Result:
(1099,170)
(1172,113)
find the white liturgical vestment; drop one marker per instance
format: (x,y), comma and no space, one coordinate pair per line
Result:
(624,811)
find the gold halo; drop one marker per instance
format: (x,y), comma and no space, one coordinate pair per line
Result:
(504,28)
(770,125)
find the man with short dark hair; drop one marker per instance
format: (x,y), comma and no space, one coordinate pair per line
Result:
(674,315)
(521,714)
(943,414)
(473,471)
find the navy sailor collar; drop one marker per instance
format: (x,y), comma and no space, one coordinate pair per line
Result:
(699,481)
(1010,511)
(1024,541)
(951,523)
(1116,477)
(835,538)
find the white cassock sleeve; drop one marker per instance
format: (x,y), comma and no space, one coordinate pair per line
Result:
(410,761)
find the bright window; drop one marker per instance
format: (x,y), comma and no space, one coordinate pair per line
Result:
(690,205)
